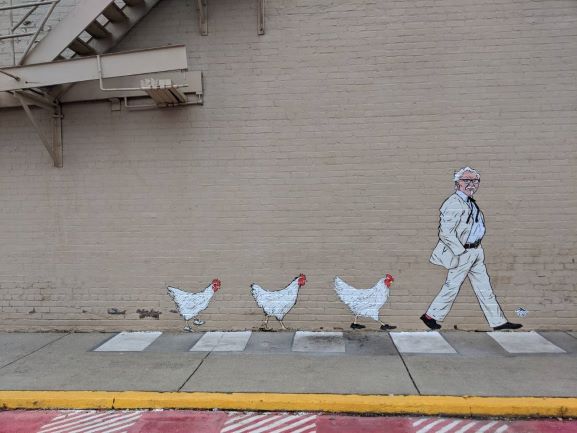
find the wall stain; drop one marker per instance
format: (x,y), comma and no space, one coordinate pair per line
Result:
(148,313)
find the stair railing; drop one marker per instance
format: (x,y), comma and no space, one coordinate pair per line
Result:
(33,35)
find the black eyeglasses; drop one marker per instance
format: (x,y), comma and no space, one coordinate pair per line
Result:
(471,181)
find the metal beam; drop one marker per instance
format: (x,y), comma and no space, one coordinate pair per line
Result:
(16,35)
(260,17)
(24,17)
(66,31)
(40,27)
(86,68)
(90,90)
(43,101)
(57,151)
(202,10)
(28,5)
(53,141)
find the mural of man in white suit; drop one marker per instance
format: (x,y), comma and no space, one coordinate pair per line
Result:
(461,229)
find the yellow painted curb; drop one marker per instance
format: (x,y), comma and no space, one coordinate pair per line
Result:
(375,404)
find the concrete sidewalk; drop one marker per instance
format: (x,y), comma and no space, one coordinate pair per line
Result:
(519,364)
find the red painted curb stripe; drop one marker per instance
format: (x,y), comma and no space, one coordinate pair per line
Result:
(235,422)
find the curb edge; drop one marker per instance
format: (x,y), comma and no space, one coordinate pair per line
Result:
(563,407)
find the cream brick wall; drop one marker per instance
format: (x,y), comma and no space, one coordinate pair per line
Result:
(326,147)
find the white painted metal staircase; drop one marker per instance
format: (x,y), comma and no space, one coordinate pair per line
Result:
(93,27)
(74,52)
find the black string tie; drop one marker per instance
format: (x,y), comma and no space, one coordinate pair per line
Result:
(471,200)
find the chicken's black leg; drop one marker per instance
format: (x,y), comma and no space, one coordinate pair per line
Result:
(385,327)
(356,325)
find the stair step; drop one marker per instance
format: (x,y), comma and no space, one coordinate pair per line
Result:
(114,13)
(97,30)
(103,20)
(81,48)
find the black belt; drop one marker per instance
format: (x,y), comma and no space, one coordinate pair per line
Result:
(473,245)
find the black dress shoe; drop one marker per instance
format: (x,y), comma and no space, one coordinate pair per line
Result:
(507,325)
(386,327)
(357,326)
(431,323)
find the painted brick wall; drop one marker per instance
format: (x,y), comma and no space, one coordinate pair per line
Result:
(326,147)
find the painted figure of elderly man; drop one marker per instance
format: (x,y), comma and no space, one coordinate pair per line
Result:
(461,230)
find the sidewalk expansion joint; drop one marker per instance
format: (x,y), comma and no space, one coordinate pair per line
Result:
(194,371)
(34,351)
(407,369)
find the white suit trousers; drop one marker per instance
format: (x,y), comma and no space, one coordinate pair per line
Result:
(471,264)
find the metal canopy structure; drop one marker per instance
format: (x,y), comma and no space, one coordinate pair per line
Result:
(30,7)
(73,55)
(25,83)
(74,52)
(94,67)
(92,27)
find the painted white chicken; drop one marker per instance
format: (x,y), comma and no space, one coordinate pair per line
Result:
(191,304)
(365,302)
(277,303)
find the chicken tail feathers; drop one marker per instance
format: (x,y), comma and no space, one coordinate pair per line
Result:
(257,293)
(342,288)
(173,291)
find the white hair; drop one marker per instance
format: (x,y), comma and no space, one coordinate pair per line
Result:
(459,174)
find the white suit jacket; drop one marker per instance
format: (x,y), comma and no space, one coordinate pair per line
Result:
(454,231)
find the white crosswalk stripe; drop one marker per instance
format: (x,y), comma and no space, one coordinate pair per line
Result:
(466,427)
(328,342)
(222,342)
(486,427)
(524,342)
(239,418)
(450,425)
(270,423)
(129,342)
(420,421)
(429,426)
(91,422)
(422,342)
(251,420)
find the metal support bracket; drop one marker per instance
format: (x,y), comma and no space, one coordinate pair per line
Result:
(260,17)
(53,141)
(202,10)
(202,13)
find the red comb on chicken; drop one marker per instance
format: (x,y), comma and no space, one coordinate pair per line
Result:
(277,303)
